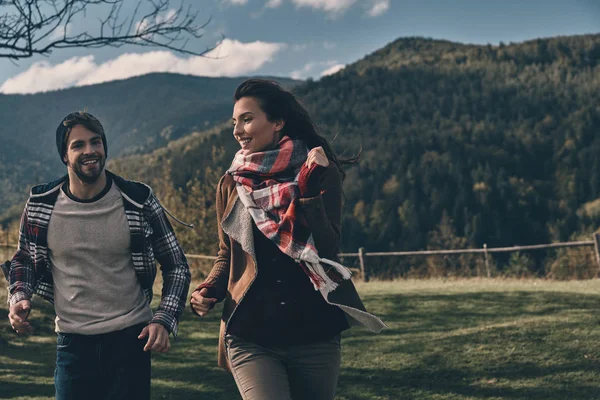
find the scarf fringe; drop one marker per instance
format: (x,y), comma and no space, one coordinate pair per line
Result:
(343,271)
(319,277)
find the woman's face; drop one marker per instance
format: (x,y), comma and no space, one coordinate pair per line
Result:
(251,128)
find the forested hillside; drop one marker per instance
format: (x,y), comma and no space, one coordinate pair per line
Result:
(461,145)
(504,140)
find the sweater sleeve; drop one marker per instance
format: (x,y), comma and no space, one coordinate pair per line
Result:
(324,213)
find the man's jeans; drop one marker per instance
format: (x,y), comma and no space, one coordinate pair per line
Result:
(101,367)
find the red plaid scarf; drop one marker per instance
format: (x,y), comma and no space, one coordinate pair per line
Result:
(267,184)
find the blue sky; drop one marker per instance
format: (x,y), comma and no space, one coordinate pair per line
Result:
(303,38)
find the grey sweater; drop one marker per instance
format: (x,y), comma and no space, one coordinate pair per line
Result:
(95,286)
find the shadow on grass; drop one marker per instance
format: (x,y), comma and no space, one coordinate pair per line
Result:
(509,345)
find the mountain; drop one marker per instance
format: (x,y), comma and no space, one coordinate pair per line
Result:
(139,115)
(462,145)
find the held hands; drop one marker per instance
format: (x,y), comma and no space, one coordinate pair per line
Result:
(201,303)
(158,338)
(18,314)
(311,171)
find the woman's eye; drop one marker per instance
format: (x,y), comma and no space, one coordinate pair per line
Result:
(247,119)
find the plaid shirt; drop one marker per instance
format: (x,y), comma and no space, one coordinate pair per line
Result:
(151,236)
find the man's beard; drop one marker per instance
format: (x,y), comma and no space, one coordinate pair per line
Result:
(91,176)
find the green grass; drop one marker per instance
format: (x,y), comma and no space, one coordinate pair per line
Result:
(465,339)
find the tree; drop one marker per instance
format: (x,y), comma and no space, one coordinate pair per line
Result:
(30,27)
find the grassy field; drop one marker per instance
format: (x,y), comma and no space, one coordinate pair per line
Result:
(465,339)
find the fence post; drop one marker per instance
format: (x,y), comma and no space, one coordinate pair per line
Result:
(597,248)
(487,260)
(363,270)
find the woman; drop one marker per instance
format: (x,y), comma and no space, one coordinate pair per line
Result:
(279,211)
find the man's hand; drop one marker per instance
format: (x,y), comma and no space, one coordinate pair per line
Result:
(18,314)
(200,303)
(158,338)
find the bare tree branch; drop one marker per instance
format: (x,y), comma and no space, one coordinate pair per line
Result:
(29,27)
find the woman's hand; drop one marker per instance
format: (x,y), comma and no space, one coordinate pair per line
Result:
(201,303)
(310,173)
(317,156)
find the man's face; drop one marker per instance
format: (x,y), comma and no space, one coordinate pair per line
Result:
(85,154)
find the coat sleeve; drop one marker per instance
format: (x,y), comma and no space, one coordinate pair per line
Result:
(324,213)
(174,267)
(22,272)
(218,278)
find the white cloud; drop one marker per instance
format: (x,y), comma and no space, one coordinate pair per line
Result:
(379,7)
(231,58)
(333,69)
(237,2)
(331,6)
(169,17)
(303,72)
(299,47)
(310,67)
(328,45)
(42,76)
(60,32)
(273,3)
(335,8)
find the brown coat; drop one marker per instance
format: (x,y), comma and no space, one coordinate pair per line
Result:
(235,268)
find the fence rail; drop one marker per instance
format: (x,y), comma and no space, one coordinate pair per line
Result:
(485,250)
(362,254)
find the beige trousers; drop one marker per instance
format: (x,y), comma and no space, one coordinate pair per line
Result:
(305,372)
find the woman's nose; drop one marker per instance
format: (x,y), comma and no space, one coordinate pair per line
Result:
(237,129)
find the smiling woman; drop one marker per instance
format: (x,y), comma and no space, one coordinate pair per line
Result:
(278,208)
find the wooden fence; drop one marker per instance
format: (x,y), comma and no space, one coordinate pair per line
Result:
(362,254)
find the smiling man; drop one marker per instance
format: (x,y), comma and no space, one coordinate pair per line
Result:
(88,244)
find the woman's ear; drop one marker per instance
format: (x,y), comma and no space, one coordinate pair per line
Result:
(279,125)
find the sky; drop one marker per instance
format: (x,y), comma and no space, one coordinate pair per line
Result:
(299,38)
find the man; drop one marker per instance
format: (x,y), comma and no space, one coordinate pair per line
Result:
(88,243)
